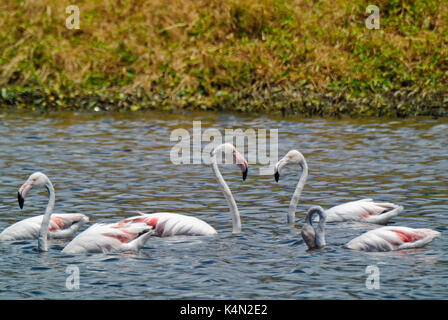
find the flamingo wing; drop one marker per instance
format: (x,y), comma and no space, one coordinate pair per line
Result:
(363,210)
(111,237)
(392,238)
(168,224)
(61,226)
(65,225)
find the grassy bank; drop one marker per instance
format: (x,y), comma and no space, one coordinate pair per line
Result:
(300,57)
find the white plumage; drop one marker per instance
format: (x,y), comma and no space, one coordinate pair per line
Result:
(380,239)
(98,238)
(361,210)
(168,224)
(113,237)
(392,238)
(62,226)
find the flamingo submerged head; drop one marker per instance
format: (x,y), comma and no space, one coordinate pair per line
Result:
(314,237)
(36,180)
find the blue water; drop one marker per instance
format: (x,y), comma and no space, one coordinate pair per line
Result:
(107,165)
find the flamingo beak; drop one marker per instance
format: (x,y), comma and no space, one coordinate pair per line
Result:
(278,167)
(245,174)
(22,193)
(21,200)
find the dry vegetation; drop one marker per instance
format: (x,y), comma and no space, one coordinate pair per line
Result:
(306,57)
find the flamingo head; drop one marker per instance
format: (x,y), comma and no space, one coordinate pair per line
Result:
(36,180)
(238,158)
(294,157)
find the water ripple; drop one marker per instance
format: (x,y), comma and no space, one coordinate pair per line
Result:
(108,166)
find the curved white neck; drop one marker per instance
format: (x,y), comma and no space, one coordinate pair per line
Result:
(296,196)
(42,239)
(236,221)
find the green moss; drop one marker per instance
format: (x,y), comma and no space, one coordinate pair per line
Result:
(267,56)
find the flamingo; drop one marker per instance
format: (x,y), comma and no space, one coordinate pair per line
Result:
(167,224)
(111,237)
(60,226)
(389,238)
(361,210)
(98,238)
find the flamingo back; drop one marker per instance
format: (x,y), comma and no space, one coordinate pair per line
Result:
(61,226)
(392,238)
(168,224)
(110,238)
(363,210)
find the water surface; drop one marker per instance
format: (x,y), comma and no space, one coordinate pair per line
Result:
(108,165)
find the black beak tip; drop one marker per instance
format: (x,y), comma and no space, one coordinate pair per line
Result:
(276,176)
(21,200)
(245,174)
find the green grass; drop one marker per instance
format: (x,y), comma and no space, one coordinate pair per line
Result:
(265,56)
